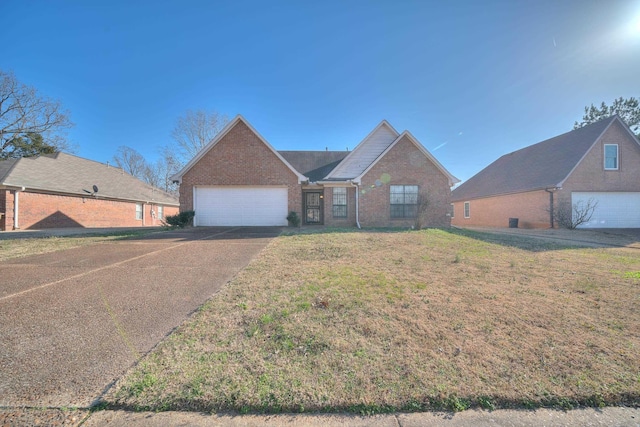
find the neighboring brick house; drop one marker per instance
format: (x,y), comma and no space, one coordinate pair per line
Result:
(59,190)
(240,179)
(598,163)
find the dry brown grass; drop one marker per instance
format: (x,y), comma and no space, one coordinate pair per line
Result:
(17,248)
(372,322)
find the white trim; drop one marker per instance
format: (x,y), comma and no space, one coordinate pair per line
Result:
(604,149)
(178,177)
(16,209)
(141,211)
(452,179)
(466,209)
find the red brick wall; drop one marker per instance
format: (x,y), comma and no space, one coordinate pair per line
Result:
(52,211)
(3,209)
(7,205)
(530,208)
(404,164)
(240,158)
(350,220)
(590,175)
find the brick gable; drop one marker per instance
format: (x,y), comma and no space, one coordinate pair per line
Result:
(403,164)
(240,158)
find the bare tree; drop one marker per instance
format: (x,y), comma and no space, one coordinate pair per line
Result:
(580,213)
(131,161)
(196,129)
(162,170)
(24,112)
(157,174)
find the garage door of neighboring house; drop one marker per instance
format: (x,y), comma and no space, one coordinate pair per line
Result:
(613,210)
(231,206)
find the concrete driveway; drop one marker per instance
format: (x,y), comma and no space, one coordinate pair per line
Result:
(72,322)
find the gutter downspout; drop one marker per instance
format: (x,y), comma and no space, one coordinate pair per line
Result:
(357,204)
(551,207)
(16,208)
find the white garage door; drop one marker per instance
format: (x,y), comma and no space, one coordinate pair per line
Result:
(229,206)
(613,210)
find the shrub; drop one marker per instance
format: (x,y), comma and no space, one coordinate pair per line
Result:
(293,219)
(180,220)
(580,213)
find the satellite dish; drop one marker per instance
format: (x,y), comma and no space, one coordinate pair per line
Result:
(95,190)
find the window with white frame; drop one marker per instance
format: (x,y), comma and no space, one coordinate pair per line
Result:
(467,210)
(139,211)
(611,156)
(404,201)
(160,212)
(453,210)
(340,202)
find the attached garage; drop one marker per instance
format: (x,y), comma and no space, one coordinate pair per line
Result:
(613,210)
(240,206)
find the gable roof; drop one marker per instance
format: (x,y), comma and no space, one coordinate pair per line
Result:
(315,165)
(365,153)
(327,166)
(452,179)
(237,119)
(63,173)
(544,165)
(374,147)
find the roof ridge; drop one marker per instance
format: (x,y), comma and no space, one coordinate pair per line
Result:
(580,129)
(532,167)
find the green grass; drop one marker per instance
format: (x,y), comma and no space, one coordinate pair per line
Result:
(373,322)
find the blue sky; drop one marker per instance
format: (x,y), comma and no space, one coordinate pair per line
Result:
(472,80)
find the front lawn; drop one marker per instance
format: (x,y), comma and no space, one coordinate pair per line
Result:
(17,248)
(374,321)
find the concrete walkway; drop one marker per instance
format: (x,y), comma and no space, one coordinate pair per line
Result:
(502,418)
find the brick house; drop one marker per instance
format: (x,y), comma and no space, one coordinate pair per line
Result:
(598,163)
(240,179)
(62,190)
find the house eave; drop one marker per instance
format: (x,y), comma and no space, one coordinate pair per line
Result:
(553,187)
(40,190)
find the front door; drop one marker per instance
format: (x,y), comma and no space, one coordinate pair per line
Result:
(312,207)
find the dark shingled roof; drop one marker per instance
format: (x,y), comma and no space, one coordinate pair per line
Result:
(315,165)
(543,165)
(66,174)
